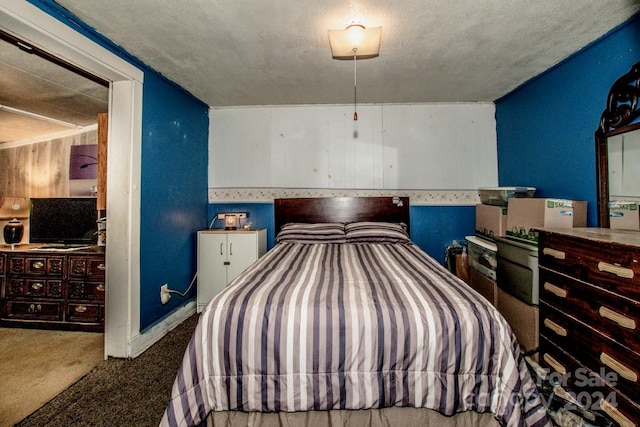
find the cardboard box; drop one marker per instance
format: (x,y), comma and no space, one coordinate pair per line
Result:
(522,318)
(624,215)
(524,215)
(491,221)
(462,267)
(484,286)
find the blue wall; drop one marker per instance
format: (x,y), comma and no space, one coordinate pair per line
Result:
(175,132)
(546,127)
(432,227)
(173,178)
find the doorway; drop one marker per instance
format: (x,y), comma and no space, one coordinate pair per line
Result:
(39,29)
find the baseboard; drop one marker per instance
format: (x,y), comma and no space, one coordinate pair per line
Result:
(143,341)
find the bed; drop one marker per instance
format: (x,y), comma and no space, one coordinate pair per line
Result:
(345,321)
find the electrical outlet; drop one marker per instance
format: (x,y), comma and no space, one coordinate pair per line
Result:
(165,295)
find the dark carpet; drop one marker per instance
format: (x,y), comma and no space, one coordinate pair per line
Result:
(120,392)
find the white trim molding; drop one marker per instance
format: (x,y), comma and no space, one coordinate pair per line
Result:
(416,197)
(143,341)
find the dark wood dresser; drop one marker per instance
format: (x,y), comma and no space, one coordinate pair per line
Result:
(590,316)
(52,289)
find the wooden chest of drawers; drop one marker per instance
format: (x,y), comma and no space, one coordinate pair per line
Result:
(53,290)
(590,316)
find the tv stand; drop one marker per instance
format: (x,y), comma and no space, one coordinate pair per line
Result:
(49,288)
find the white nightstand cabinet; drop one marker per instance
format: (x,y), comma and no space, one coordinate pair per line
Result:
(223,255)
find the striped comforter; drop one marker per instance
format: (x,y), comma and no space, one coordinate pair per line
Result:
(352,326)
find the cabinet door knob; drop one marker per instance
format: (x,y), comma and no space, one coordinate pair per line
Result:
(221,249)
(101,267)
(81,309)
(37,286)
(100,287)
(38,265)
(230,248)
(620,319)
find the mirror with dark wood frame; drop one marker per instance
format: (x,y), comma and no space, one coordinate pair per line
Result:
(618,145)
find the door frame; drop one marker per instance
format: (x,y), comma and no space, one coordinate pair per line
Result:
(31,24)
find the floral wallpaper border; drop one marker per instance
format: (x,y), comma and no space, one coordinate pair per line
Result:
(416,197)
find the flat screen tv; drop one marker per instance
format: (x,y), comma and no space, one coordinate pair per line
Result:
(68,220)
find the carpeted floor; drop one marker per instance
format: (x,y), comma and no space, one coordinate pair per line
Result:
(36,365)
(120,392)
(130,392)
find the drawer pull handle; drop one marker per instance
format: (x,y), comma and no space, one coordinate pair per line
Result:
(81,309)
(38,265)
(101,267)
(100,287)
(553,253)
(615,414)
(624,372)
(557,291)
(34,308)
(554,364)
(37,286)
(620,319)
(555,327)
(625,273)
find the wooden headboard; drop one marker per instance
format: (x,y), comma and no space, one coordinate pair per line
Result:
(341,209)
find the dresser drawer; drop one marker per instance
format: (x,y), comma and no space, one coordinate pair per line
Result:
(80,312)
(40,287)
(610,267)
(87,267)
(603,355)
(586,387)
(36,265)
(34,310)
(608,313)
(86,290)
(2,263)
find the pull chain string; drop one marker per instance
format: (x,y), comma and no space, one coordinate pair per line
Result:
(355,85)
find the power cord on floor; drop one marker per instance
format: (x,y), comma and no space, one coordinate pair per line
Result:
(165,292)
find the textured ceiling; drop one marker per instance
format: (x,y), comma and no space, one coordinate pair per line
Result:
(274,52)
(266,52)
(38,97)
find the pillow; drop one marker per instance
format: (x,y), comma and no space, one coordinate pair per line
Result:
(376,232)
(326,232)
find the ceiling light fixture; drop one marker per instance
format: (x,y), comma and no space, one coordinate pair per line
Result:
(355,42)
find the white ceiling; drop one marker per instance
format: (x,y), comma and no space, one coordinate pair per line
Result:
(268,52)
(276,52)
(38,97)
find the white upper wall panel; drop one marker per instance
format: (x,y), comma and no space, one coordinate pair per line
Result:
(420,146)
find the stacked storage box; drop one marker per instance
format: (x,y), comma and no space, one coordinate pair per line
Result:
(517,272)
(624,214)
(491,222)
(491,214)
